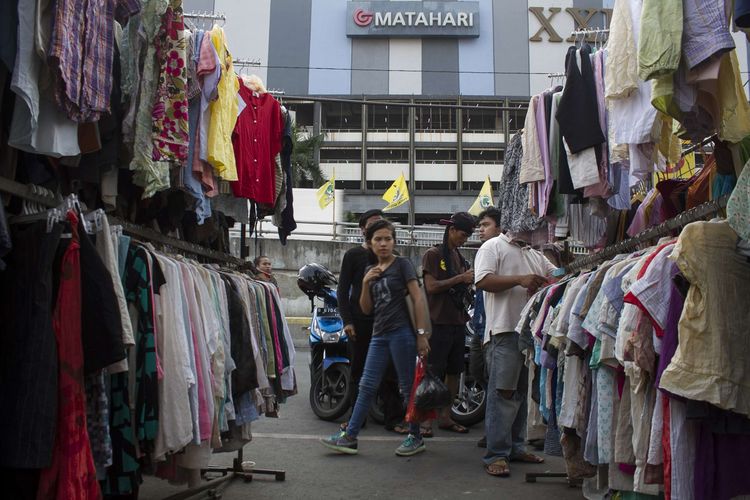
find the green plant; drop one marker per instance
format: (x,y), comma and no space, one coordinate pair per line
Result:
(305,170)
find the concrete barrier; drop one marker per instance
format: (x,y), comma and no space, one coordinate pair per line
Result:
(287,259)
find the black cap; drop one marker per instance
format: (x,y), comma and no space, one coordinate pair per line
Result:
(463,221)
(370,213)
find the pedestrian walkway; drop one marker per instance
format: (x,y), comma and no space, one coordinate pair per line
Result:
(451,467)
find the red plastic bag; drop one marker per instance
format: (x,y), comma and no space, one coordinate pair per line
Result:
(413,414)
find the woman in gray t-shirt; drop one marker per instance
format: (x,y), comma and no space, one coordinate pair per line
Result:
(384,290)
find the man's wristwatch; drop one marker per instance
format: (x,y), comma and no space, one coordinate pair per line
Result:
(420,331)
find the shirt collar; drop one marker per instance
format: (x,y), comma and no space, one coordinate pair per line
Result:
(515,242)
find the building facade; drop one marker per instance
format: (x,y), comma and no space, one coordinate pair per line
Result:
(470,54)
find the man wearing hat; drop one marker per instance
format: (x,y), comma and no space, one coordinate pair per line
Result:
(447,279)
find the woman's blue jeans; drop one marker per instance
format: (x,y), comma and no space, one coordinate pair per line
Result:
(399,345)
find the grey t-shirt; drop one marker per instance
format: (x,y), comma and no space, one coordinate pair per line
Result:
(389,296)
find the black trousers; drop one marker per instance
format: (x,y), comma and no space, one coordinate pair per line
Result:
(392,403)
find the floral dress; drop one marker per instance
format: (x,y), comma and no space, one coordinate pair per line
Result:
(170,112)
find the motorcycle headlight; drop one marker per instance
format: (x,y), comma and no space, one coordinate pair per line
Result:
(331,337)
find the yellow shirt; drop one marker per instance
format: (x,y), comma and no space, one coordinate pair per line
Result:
(223,112)
(711,361)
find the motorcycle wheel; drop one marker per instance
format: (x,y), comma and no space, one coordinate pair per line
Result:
(377,414)
(333,401)
(468,407)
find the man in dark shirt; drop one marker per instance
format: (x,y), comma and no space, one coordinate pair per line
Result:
(447,281)
(358,326)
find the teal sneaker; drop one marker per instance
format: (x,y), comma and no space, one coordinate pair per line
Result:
(411,446)
(341,443)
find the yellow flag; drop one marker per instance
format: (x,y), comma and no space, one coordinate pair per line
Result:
(326,193)
(484,200)
(397,194)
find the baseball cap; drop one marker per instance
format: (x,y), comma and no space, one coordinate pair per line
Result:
(370,213)
(463,221)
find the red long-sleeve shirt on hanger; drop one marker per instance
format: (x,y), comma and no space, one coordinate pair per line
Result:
(257,141)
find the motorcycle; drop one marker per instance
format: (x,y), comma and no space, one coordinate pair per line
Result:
(470,403)
(331,386)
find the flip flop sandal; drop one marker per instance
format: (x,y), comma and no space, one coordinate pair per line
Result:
(527,458)
(498,468)
(426,432)
(454,427)
(401,428)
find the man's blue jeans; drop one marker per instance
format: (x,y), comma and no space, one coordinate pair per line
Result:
(505,418)
(401,347)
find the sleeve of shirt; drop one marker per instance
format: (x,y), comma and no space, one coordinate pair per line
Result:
(484,264)
(547,266)
(410,274)
(431,262)
(344,288)
(683,254)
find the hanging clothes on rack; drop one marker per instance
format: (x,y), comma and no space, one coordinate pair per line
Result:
(212,352)
(617,331)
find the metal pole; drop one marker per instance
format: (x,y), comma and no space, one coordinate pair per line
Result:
(244,249)
(363,153)
(333,185)
(459,147)
(412,165)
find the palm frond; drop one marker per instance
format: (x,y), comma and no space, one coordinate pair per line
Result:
(304,166)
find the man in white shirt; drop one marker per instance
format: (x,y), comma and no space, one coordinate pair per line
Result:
(509,272)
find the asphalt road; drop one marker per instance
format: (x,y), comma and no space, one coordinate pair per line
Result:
(450,468)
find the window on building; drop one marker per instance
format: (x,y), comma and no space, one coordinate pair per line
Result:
(341,116)
(482,120)
(435,118)
(302,113)
(347,184)
(436,155)
(387,155)
(477,186)
(517,116)
(385,117)
(340,155)
(483,155)
(378,185)
(436,185)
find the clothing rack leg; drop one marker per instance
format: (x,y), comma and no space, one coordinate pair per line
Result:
(531,477)
(247,474)
(214,487)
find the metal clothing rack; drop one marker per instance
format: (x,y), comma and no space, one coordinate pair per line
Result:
(28,192)
(246,62)
(663,229)
(212,488)
(590,31)
(211,16)
(698,145)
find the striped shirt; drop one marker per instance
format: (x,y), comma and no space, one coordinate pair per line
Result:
(81,51)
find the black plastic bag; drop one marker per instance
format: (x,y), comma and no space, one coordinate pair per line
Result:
(432,393)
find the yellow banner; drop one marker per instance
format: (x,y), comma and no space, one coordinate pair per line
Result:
(397,194)
(326,193)
(484,200)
